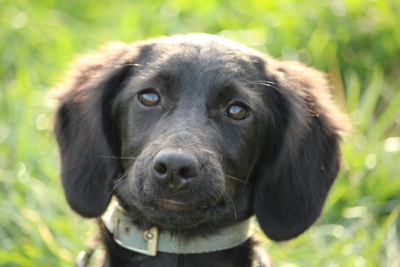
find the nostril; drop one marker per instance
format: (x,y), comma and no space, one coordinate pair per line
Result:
(189,171)
(161,168)
(185,173)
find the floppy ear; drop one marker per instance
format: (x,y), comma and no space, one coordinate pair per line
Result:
(85,132)
(303,158)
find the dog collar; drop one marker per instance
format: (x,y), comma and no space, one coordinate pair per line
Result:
(149,241)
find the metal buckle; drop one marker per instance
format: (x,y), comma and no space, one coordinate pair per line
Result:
(149,237)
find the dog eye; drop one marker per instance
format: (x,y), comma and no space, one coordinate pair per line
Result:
(237,112)
(149,99)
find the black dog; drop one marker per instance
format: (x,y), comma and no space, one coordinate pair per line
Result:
(193,135)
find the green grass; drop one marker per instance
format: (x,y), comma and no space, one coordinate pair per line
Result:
(357,42)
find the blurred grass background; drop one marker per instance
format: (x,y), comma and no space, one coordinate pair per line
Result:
(356,41)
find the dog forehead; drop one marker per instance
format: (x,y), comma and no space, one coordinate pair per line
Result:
(201,50)
(201,59)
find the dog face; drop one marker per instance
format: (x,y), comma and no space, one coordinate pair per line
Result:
(193,126)
(197,131)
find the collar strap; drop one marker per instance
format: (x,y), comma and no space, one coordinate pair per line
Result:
(149,241)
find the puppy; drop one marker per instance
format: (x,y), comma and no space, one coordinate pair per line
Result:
(193,135)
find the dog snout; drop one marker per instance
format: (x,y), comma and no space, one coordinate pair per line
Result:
(175,170)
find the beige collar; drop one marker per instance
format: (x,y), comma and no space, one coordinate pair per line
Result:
(149,241)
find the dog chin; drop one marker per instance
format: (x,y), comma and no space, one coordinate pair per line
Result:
(172,214)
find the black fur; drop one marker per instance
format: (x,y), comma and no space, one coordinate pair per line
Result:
(277,162)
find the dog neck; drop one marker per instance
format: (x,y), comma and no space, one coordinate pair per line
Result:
(149,241)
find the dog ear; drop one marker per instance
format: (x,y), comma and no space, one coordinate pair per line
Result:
(84,128)
(303,158)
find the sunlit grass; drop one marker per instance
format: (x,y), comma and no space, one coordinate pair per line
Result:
(357,42)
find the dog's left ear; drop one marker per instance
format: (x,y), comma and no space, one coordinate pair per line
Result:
(303,157)
(84,128)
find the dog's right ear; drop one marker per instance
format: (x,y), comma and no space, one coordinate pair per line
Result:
(84,128)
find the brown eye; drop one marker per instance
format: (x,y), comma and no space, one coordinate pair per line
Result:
(149,99)
(237,112)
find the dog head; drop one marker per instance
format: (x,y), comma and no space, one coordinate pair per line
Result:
(196,130)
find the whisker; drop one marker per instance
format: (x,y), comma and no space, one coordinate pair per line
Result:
(216,198)
(132,214)
(132,64)
(265,83)
(119,180)
(230,172)
(201,229)
(261,82)
(233,204)
(234,178)
(115,186)
(134,218)
(215,217)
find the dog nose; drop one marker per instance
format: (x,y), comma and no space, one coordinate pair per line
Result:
(175,170)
